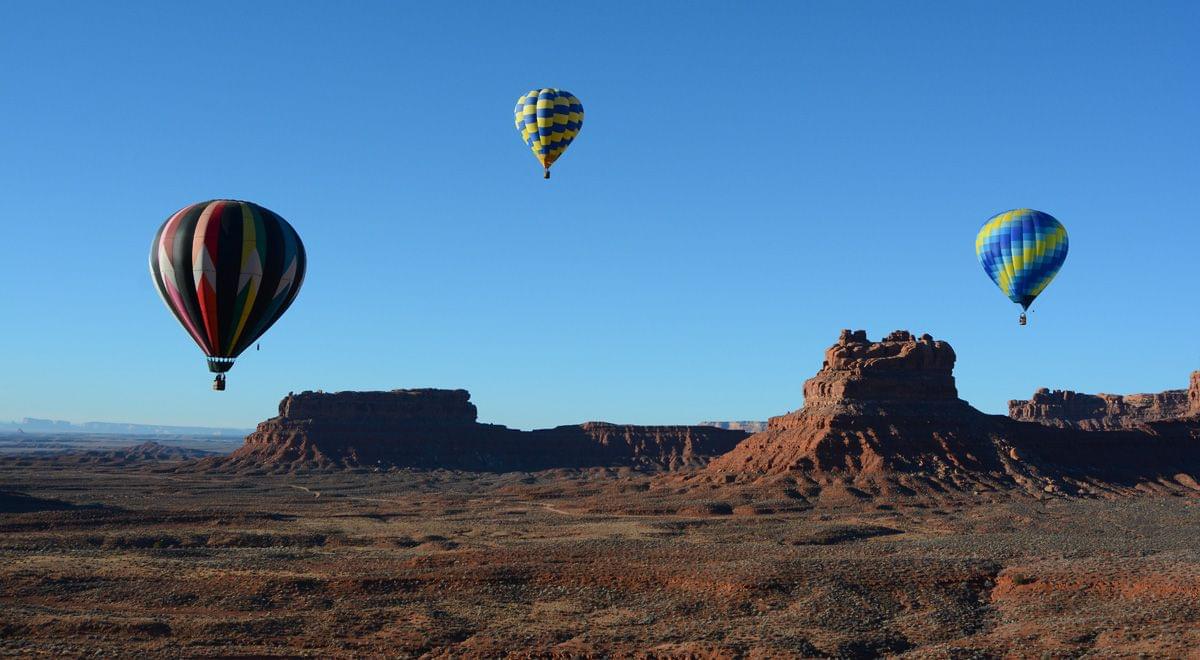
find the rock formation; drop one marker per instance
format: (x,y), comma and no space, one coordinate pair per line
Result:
(880,418)
(602,443)
(1102,412)
(885,418)
(741,425)
(430,407)
(901,372)
(874,408)
(429,428)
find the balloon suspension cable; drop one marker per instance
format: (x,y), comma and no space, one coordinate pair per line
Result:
(547,174)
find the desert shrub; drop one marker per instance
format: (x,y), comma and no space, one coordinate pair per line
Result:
(1021,579)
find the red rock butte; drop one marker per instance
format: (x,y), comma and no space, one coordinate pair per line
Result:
(884,418)
(865,377)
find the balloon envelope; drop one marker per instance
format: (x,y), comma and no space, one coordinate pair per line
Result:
(1022,250)
(227,270)
(548,119)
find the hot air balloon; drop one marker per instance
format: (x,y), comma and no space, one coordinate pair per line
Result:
(227,270)
(548,119)
(1022,250)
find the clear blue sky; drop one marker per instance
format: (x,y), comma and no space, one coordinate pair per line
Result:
(751,178)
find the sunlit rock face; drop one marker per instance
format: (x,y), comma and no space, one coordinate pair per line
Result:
(1102,412)
(862,376)
(884,418)
(1194,394)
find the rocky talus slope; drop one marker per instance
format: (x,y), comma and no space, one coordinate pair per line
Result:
(431,428)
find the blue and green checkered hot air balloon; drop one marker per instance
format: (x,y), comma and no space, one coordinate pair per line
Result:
(548,119)
(1022,250)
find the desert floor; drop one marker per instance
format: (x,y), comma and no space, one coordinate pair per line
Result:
(99,560)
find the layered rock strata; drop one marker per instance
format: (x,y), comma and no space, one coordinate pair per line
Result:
(430,428)
(1100,412)
(740,425)
(885,418)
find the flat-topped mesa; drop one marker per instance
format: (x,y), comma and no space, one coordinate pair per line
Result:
(432,428)
(1103,412)
(860,376)
(413,427)
(422,407)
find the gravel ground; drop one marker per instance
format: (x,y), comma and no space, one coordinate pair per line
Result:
(100,560)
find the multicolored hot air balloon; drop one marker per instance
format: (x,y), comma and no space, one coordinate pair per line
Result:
(227,270)
(549,119)
(1022,250)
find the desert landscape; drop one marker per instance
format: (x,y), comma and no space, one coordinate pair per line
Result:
(886,516)
(425,330)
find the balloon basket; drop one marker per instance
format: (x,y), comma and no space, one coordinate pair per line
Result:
(219,383)
(219,365)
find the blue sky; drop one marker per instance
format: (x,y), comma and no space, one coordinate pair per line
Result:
(750,178)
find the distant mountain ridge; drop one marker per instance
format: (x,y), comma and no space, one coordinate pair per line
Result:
(36,425)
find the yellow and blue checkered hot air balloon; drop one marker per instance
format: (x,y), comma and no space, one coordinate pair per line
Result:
(1022,250)
(549,119)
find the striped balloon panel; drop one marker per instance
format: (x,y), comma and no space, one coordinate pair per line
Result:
(227,270)
(1022,250)
(548,119)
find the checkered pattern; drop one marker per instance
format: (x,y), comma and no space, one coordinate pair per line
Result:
(548,119)
(1022,250)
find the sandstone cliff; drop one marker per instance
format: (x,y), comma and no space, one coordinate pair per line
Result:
(1098,412)
(740,425)
(885,418)
(397,407)
(429,428)
(874,408)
